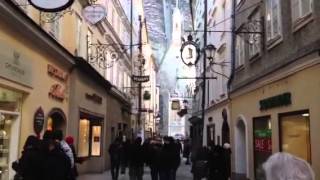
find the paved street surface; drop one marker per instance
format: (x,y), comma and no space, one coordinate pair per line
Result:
(182,174)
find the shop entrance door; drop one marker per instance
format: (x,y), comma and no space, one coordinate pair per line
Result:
(9,140)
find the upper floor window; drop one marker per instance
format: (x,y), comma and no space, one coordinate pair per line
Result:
(54,29)
(255,38)
(78,35)
(240,51)
(300,8)
(273,19)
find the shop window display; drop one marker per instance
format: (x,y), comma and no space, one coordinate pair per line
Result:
(9,114)
(90,130)
(262,144)
(295,134)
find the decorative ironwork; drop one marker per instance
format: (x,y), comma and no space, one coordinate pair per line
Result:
(50,17)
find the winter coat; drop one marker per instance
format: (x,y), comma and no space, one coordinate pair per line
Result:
(115,153)
(167,158)
(57,165)
(136,156)
(30,165)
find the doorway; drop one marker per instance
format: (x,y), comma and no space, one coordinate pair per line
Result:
(240,148)
(56,120)
(225,128)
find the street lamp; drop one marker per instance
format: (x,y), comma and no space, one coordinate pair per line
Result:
(210,51)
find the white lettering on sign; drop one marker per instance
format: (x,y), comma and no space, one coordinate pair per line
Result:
(94,13)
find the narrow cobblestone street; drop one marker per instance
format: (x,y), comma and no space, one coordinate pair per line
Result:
(182,174)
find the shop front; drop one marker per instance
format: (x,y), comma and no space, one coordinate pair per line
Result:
(278,116)
(31,97)
(88,118)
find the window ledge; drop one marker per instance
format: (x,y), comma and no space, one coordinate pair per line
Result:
(302,22)
(255,58)
(239,68)
(274,42)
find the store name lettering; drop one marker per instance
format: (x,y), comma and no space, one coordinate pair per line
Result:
(57,73)
(94,97)
(276,101)
(57,92)
(15,69)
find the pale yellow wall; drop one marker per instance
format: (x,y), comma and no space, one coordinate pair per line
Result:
(80,85)
(38,94)
(305,89)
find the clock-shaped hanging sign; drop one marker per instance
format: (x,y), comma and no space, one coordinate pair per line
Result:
(51,5)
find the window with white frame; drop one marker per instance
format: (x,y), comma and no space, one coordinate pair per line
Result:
(300,8)
(255,38)
(240,51)
(273,19)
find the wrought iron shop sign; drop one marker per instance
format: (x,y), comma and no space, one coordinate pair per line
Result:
(51,5)
(94,13)
(141,79)
(276,101)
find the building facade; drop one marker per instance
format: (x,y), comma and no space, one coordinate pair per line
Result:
(216,124)
(274,91)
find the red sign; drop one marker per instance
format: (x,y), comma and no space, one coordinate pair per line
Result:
(57,73)
(57,92)
(263,144)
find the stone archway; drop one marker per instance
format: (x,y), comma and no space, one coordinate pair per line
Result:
(241,147)
(56,120)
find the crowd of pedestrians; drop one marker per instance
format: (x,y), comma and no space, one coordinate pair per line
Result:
(212,162)
(51,158)
(162,156)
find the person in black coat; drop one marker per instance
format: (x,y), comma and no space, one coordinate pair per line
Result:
(186,151)
(154,158)
(177,149)
(136,160)
(167,160)
(57,164)
(115,153)
(30,165)
(217,163)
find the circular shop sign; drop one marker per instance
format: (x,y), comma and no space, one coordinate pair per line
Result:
(94,13)
(51,5)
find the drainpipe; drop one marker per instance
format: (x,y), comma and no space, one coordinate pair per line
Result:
(233,48)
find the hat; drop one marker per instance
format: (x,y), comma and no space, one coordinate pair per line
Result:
(226,146)
(69,140)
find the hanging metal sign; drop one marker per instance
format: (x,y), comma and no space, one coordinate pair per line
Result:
(141,79)
(38,121)
(94,13)
(51,5)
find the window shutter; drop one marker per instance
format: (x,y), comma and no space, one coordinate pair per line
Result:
(295,9)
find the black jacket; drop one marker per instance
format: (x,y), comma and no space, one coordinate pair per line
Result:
(57,165)
(30,165)
(136,157)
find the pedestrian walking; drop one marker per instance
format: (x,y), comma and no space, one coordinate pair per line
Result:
(136,160)
(57,164)
(77,160)
(154,158)
(30,164)
(216,163)
(186,151)
(227,159)
(283,166)
(58,137)
(177,149)
(124,155)
(199,160)
(115,153)
(166,164)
